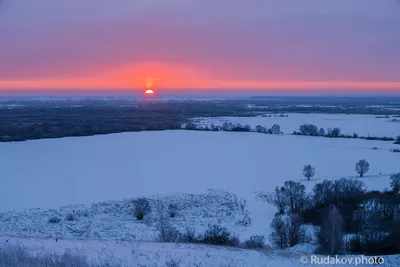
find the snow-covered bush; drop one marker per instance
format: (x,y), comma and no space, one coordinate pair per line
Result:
(141,207)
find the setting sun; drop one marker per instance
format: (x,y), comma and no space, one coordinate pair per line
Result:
(149,92)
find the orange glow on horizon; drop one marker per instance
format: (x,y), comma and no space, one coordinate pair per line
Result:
(180,78)
(194,84)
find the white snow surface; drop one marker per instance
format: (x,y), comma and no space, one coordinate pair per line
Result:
(132,254)
(82,170)
(215,178)
(364,125)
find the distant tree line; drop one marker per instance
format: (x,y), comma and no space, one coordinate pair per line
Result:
(232,127)
(313,130)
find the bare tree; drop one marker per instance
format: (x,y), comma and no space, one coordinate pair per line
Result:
(278,235)
(287,231)
(395,182)
(331,232)
(308,171)
(296,195)
(295,230)
(280,199)
(362,167)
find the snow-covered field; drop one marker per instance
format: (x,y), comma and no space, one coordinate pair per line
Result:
(364,125)
(82,170)
(214,177)
(152,254)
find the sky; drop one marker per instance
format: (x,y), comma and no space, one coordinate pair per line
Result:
(265,45)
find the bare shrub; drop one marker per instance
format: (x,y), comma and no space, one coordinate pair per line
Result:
(321,131)
(255,242)
(189,236)
(166,232)
(287,231)
(141,207)
(395,182)
(308,171)
(220,236)
(295,230)
(278,235)
(362,167)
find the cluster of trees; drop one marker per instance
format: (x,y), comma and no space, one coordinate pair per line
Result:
(231,127)
(347,216)
(313,130)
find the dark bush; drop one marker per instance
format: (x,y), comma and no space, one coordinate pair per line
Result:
(220,236)
(309,129)
(287,231)
(189,236)
(255,242)
(260,129)
(395,182)
(70,217)
(141,208)
(54,220)
(173,210)
(397,141)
